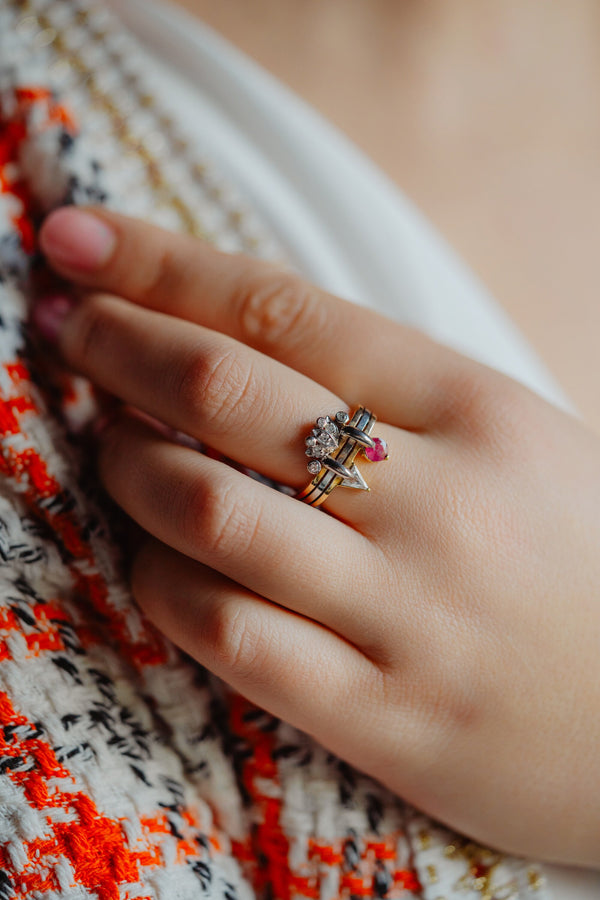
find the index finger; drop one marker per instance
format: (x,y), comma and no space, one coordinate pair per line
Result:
(356,353)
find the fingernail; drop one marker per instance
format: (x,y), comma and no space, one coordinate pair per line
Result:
(77,239)
(49,314)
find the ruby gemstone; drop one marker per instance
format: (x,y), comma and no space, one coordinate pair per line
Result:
(377,453)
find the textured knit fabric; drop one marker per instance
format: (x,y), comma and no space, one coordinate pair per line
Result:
(126,770)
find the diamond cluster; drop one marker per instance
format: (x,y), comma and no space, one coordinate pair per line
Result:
(324,439)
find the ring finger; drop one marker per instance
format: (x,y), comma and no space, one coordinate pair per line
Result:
(242,403)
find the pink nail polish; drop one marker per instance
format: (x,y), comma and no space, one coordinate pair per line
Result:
(74,239)
(49,314)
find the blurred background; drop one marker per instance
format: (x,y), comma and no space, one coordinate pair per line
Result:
(486,116)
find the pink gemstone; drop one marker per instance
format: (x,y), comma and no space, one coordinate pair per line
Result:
(377,453)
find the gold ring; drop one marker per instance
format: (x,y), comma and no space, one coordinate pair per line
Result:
(333,445)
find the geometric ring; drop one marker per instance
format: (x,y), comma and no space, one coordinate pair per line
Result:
(333,446)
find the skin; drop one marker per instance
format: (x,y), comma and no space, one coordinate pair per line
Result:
(441,632)
(486,116)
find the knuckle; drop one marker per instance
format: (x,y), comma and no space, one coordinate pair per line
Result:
(468,399)
(487,408)
(218,520)
(437,701)
(160,277)
(237,637)
(279,309)
(217,390)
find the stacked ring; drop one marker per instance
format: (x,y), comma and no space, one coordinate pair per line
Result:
(333,446)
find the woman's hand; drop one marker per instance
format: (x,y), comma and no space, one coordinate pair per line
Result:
(442,632)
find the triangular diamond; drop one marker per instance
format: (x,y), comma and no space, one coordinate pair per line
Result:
(357,481)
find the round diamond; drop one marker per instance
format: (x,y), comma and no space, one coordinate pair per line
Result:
(327,440)
(314,467)
(322,421)
(310,440)
(342,417)
(377,453)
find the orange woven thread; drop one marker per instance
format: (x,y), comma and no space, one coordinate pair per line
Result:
(408,880)
(29,470)
(260,776)
(94,844)
(271,843)
(12,134)
(26,467)
(381,849)
(329,854)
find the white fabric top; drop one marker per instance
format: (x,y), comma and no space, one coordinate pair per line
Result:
(340,220)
